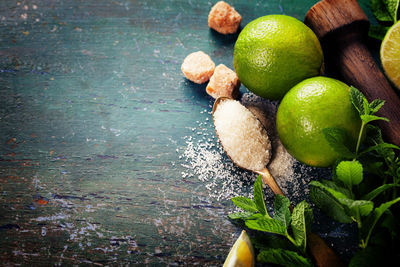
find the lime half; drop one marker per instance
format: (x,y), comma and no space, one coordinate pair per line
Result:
(390,54)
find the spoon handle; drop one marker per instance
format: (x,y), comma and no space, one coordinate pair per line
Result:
(269,180)
(322,254)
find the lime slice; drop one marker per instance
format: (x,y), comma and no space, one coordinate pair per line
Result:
(242,253)
(390,54)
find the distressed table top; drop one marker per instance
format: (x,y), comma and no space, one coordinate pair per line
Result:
(95,120)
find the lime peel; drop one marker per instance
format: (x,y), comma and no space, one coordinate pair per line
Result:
(241,253)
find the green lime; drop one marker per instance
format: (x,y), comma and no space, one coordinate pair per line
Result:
(308,108)
(275,52)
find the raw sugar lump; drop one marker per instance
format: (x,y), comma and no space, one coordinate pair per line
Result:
(198,67)
(223,18)
(224,82)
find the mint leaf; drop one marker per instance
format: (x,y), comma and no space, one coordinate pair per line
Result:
(376,105)
(373,218)
(374,134)
(374,193)
(374,138)
(368,118)
(333,192)
(338,139)
(309,216)
(336,187)
(255,216)
(283,257)
(381,11)
(259,197)
(240,215)
(300,224)
(245,203)
(357,207)
(267,225)
(378,31)
(379,148)
(349,172)
(392,7)
(262,242)
(327,200)
(366,107)
(357,98)
(281,210)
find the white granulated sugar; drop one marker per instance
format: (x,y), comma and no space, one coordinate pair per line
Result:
(281,162)
(208,163)
(242,135)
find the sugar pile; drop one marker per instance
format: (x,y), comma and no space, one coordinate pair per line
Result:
(242,135)
(205,160)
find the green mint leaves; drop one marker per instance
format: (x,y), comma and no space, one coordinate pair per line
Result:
(283,257)
(259,197)
(350,173)
(365,109)
(267,225)
(302,218)
(293,227)
(385,11)
(281,209)
(365,182)
(338,139)
(245,204)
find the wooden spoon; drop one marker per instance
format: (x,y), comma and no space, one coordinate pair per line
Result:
(342,26)
(267,178)
(323,255)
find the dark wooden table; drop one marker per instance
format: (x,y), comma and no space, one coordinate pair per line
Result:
(95,117)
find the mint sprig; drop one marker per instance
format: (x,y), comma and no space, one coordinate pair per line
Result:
(349,196)
(292,227)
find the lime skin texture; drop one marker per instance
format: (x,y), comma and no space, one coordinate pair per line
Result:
(309,107)
(275,52)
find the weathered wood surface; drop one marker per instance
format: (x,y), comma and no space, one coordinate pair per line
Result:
(93,115)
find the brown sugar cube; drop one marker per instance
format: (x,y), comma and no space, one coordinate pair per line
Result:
(223,18)
(198,67)
(224,82)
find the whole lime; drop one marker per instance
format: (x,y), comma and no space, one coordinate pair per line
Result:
(275,52)
(309,107)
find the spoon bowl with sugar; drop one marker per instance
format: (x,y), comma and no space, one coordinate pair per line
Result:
(244,139)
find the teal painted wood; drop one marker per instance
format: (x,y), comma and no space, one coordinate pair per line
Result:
(93,115)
